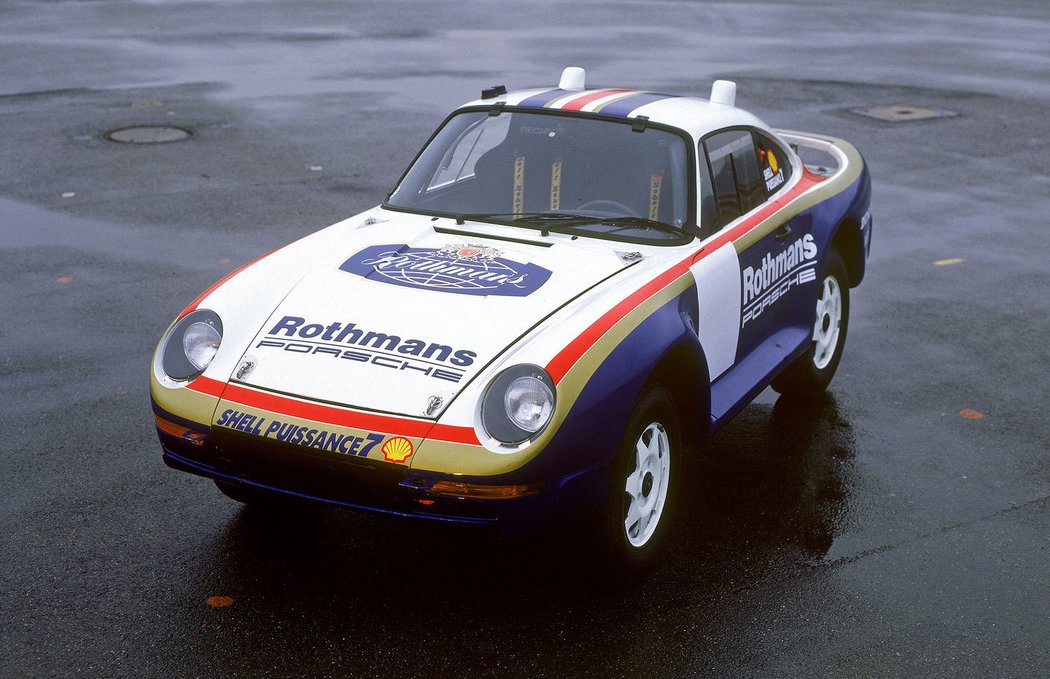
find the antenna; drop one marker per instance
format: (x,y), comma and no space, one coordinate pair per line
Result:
(573,78)
(723,92)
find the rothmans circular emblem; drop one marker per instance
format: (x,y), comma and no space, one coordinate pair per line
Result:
(459,268)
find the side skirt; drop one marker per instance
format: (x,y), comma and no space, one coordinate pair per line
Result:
(739,385)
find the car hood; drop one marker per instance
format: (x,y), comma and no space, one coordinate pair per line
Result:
(405,312)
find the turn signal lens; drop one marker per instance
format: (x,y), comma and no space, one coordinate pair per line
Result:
(178,431)
(478,491)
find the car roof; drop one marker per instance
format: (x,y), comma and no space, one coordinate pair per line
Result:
(695,115)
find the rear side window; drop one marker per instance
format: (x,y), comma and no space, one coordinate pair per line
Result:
(735,173)
(776,169)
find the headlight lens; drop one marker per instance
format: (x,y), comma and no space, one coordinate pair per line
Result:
(199,343)
(529,403)
(191,345)
(518,404)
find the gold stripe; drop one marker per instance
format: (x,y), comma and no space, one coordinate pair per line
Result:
(456,458)
(763,229)
(476,460)
(560,101)
(623,95)
(183,402)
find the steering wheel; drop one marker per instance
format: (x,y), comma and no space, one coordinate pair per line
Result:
(603,205)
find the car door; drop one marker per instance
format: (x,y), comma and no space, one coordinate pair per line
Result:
(793,259)
(739,189)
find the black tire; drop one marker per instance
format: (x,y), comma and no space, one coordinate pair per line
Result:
(810,373)
(633,548)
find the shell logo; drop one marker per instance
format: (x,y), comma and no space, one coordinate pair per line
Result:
(773,165)
(397,449)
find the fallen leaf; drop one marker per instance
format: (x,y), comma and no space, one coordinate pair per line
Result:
(220,601)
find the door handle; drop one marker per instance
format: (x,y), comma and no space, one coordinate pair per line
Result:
(783,233)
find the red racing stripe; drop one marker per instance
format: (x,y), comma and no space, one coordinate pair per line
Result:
(581,101)
(567,357)
(208,386)
(342,417)
(216,284)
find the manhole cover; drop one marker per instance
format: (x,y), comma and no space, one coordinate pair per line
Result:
(148,134)
(902,113)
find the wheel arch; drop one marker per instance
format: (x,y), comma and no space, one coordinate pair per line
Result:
(849,242)
(683,372)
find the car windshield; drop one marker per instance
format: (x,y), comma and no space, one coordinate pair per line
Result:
(554,172)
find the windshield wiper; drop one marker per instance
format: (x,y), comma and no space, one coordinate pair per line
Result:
(629,222)
(559,221)
(525,217)
(544,222)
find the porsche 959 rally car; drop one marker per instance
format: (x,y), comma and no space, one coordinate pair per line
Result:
(565,289)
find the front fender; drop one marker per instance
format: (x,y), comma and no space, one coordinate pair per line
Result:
(663,347)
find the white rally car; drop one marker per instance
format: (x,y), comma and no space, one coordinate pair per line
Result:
(566,287)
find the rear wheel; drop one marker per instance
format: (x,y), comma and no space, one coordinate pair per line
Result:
(810,373)
(645,473)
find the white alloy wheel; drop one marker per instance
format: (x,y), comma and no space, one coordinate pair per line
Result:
(647,484)
(829,320)
(811,372)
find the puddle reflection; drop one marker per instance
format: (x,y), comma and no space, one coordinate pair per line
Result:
(777,476)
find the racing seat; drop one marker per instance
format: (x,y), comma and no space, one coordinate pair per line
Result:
(532,173)
(520,180)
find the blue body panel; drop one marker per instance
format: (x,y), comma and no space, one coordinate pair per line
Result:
(786,333)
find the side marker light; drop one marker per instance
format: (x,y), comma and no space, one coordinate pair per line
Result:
(178,431)
(478,491)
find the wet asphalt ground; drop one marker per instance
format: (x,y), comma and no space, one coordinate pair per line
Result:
(900,527)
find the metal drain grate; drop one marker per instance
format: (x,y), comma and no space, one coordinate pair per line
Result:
(148,134)
(903,113)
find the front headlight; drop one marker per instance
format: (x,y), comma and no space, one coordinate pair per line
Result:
(191,345)
(518,404)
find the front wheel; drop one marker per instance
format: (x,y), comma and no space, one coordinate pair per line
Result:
(810,373)
(644,482)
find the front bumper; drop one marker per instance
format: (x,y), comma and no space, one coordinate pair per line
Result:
(368,485)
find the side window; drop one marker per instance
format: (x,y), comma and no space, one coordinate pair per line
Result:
(776,168)
(735,173)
